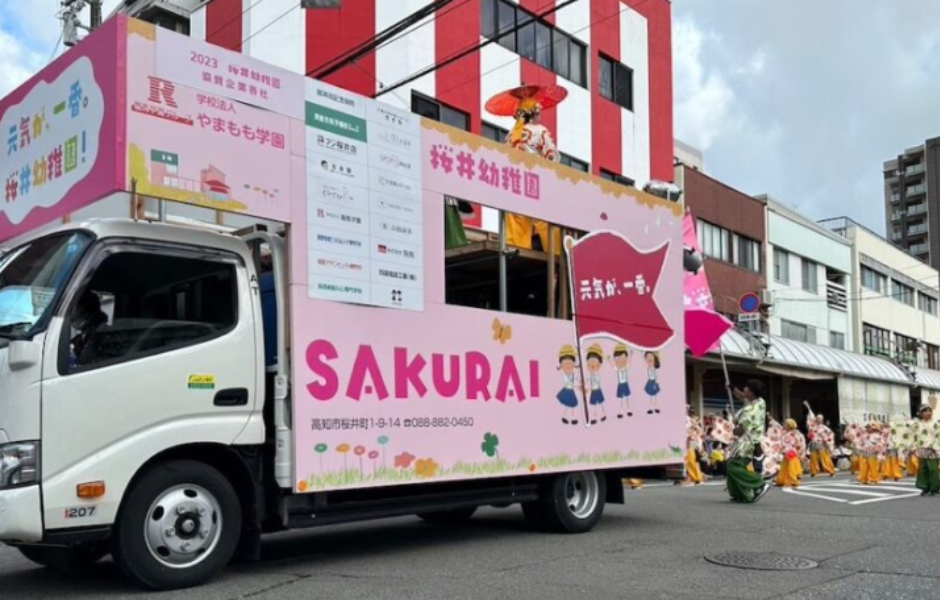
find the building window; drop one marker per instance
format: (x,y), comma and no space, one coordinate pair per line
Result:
(933,357)
(877,341)
(781,266)
(574,163)
(837,340)
(928,304)
(437,111)
(492,132)
(874,280)
(810,276)
(715,241)
(518,30)
(902,293)
(616,82)
(747,253)
(611,176)
(798,331)
(905,349)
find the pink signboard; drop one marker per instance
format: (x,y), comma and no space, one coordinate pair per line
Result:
(387,397)
(220,72)
(200,147)
(61,134)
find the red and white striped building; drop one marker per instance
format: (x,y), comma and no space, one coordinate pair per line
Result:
(613,56)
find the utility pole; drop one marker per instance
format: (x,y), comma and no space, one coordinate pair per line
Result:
(70,15)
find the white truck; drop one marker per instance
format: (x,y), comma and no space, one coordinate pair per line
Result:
(170,393)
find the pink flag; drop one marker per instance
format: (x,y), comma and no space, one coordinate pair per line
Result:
(703,326)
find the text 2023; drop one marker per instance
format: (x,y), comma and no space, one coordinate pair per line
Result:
(204,60)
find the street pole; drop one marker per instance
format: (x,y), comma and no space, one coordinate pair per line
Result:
(95,6)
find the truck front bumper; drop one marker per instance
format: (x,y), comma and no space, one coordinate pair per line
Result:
(21,515)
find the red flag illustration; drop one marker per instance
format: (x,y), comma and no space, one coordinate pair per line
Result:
(613,287)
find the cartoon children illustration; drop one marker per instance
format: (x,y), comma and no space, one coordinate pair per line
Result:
(568,364)
(595,358)
(652,383)
(621,365)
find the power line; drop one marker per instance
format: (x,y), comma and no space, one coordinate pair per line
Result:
(513,61)
(470,50)
(232,20)
(368,46)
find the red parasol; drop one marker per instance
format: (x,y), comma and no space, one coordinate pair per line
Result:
(505,104)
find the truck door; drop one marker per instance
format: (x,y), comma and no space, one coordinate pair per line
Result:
(159,349)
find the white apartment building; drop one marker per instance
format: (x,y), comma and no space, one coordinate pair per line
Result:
(808,271)
(895,297)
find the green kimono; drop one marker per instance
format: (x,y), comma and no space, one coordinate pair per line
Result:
(743,484)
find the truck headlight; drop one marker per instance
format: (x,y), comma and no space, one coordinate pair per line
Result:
(19,464)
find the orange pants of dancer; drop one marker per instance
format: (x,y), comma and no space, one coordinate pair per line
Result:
(913,465)
(856,463)
(893,469)
(870,473)
(819,461)
(790,471)
(692,468)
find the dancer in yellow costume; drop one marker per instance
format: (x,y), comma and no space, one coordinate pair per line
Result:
(793,445)
(891,467)
(526,104)
(870,449)
(822,443)
(694,438)
(927,447)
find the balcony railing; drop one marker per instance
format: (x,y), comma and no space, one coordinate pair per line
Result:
(835,296)
(895,198)
(917,209)
(914,190)
(896,236)
(917,229)
(914,169)
(917,249)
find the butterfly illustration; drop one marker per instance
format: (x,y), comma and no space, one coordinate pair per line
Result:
(501,333)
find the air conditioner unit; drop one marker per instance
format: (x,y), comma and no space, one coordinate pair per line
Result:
(766,297)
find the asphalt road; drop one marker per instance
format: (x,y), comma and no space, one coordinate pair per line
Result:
(653,547)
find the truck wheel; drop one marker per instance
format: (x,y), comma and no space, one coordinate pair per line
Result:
(179,526)
(67,560)
(449,517)
(573,502)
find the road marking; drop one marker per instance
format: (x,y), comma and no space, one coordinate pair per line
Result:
(836,491)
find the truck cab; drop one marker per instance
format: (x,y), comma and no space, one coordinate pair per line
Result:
(121,344)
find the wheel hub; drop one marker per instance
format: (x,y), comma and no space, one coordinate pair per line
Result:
(582,493)
(183,526)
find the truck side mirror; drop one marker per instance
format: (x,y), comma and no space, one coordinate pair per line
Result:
(23,354)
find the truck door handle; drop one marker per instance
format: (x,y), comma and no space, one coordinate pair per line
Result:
(232,397)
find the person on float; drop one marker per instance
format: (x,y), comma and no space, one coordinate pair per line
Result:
(525,104)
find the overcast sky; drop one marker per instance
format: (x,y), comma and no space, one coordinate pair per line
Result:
(801,99)
(805,99)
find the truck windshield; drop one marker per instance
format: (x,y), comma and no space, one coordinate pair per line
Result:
(30,278)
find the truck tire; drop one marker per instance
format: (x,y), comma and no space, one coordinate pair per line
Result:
(179,525)
(449,517)
(64,559)
(570,503)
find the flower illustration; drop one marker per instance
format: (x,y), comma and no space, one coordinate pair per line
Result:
(426,467)
(383,440)
(343,449)
(359,451)
(373,454)
(404,460)
(532,468)
(302,486)
(490,445)
(320,449)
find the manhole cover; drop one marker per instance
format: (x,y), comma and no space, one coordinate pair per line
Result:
(761,561)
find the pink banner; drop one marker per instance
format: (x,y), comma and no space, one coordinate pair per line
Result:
(203,148)
(60,134)
(703,326)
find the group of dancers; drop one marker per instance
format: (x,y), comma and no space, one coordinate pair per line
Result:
(764,452)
